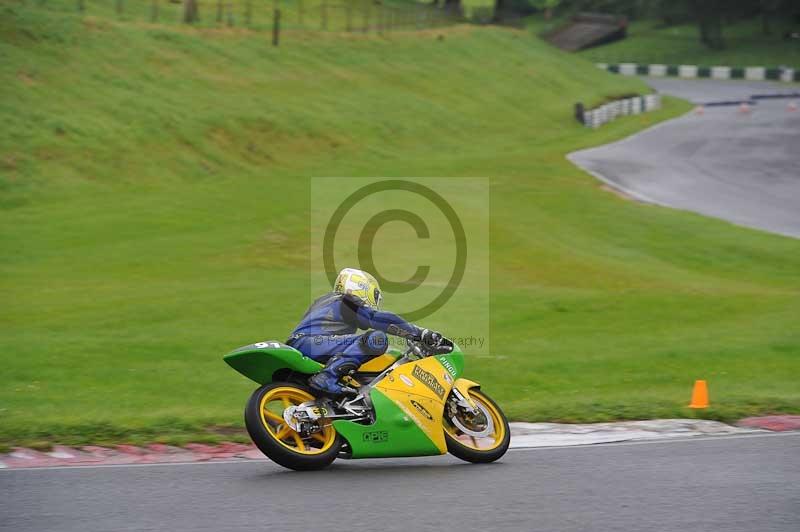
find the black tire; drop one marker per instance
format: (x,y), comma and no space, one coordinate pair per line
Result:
(468,454)
(272,448)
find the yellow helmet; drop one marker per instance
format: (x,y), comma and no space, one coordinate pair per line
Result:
(360,284)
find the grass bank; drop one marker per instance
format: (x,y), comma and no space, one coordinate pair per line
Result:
(154,200)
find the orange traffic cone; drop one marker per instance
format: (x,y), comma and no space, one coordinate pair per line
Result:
(744,108)
(792,107)
(699,110)
(699,395)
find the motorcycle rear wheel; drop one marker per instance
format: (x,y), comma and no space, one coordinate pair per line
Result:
(482,449)
(263,417)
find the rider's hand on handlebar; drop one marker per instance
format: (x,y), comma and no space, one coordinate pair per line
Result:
(430,338)
(435,343)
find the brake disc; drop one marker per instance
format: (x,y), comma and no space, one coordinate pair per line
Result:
(486,431)
(288,417)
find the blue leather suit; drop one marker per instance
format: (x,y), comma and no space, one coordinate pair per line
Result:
(329,329)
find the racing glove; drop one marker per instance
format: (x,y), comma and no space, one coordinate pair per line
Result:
(430,338)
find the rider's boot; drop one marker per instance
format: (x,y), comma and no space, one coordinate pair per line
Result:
(327,382)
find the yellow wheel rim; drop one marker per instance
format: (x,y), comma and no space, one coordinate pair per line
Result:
(483,443)
(271,408)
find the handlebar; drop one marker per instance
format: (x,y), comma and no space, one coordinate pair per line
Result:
(421,349)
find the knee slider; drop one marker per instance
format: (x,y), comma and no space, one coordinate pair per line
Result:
(375,342)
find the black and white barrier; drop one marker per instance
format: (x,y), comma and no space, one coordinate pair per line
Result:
(605,113)
(752,73)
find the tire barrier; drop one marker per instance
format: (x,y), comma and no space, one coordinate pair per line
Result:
(607,112)
(751,73)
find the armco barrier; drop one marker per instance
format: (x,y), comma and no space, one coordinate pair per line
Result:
(752,73)
(605,113)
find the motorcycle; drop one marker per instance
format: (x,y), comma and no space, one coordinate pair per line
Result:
(411,403)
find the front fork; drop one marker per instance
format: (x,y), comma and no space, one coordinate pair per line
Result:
(461,392)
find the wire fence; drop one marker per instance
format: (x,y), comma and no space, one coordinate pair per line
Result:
(353,16)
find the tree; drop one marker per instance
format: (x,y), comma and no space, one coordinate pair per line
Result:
(769,8)
(500,10)
(518,8)
(547,6)
(190,14)
(453,7)
(708,14)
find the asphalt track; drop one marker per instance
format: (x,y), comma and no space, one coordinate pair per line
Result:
(740,167)
(732,484)
(704,91)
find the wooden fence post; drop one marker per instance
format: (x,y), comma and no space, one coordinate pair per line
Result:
(301,11)
(276,27)
(219,11)
(248,12)
(119,7)
(229,10)
(324,14)
(154,8)
(349,16)
(81,6)
(190,14)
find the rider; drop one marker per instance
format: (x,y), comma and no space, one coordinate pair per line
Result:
(327,332)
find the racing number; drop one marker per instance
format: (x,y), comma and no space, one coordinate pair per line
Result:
(271,345)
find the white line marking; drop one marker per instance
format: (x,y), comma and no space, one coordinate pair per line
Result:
(61,454)
(720,437)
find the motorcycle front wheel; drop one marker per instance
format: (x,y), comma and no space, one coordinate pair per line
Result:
(263,417)
(479,438)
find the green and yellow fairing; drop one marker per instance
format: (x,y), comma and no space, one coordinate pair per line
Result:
(409,402)
(409,405)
